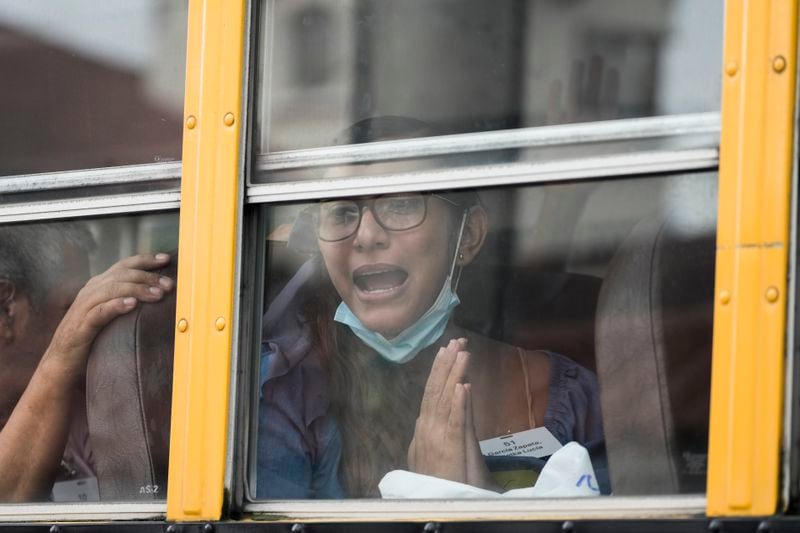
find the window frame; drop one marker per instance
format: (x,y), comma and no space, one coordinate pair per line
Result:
(616,167)
(702,155)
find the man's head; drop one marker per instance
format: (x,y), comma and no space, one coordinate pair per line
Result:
(42,267)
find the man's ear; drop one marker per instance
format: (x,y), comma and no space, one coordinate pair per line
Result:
(9,307)
(475,230)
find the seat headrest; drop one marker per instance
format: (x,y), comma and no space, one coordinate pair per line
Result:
(532,309)
(129,398)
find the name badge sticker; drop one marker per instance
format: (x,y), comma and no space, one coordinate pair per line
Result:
(76,490)
(537,442)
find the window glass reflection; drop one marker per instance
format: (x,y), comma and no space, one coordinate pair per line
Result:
(88,84)
(470,65)
(510,329)
(86,317)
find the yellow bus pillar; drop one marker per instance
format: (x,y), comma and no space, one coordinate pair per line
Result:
(758,96)
(209,210)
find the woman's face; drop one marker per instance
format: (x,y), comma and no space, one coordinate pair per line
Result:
(390,278)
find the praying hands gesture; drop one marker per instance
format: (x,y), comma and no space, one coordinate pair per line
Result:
(444,443)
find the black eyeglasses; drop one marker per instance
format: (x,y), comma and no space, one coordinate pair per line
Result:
(340,219)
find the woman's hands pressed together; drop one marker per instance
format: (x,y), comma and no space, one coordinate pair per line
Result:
(444,443)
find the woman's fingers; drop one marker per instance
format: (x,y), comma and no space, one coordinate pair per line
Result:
(438,446)
(473,449)
(439,380)
(455,436)
(470,422)
(477,473)
(458,373)
(436,380)
(456,422)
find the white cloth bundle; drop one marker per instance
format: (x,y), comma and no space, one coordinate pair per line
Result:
(568,473)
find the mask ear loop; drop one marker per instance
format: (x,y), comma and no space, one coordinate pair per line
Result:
(454,284)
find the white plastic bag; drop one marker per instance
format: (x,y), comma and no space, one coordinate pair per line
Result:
(568,473)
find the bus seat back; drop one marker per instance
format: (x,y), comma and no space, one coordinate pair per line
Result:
(653,337)
(532,309)
(129,395)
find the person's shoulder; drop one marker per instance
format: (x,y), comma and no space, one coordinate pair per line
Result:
(574,400)
(286,336)
(565,370)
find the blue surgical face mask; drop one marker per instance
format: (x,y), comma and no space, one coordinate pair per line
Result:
(419,335)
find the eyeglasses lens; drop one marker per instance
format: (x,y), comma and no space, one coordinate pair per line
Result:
(339,220)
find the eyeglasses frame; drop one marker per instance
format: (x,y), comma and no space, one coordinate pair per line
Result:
(371,204)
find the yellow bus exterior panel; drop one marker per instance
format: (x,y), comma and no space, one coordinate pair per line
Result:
(209,197)
(752,253)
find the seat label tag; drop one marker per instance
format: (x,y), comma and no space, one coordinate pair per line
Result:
(537,442)
(76,490)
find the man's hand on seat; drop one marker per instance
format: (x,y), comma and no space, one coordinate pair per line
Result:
(36,432)
(106,296)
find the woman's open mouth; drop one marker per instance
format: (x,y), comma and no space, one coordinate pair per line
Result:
(373,279)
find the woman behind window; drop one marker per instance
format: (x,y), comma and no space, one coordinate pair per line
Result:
(363,370)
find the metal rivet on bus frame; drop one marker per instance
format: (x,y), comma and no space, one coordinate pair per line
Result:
(731,68)
(724,297)
(191,122)
(298,528)
(568,527)
(208,528)
(229,119)
(779,64)
(172,528)
(772,295)
(183,325)
(55,529)
(715,526)
(220,324)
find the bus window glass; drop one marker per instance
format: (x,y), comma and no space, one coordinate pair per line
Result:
(486,337)
(86,326)
(90,84)
(472,66)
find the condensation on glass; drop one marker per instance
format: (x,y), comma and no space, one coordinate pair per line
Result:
(470,66)
(107,438)
(578,300)
(90,85)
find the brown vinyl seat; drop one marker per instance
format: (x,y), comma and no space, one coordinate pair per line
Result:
(653,344)
(128,400)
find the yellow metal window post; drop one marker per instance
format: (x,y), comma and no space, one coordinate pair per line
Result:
(209,210)
(752,252)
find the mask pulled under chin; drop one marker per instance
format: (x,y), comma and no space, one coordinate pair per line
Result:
(421,334)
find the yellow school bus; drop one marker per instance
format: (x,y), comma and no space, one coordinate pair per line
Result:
(617,185)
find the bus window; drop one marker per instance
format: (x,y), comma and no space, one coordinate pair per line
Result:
(462,343)
(88,85)
(87,309)
(473,66)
